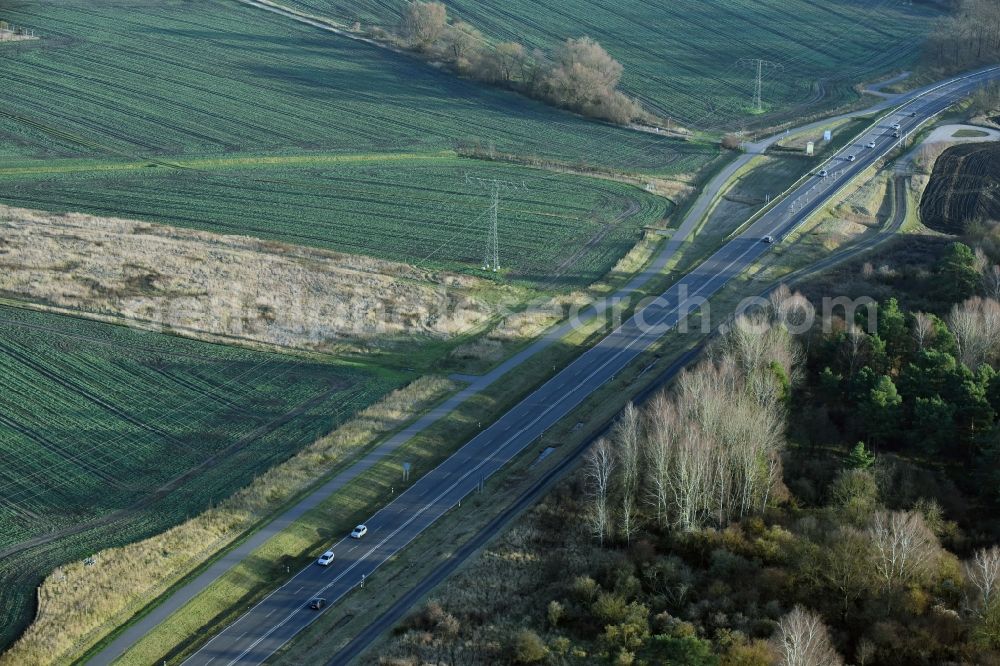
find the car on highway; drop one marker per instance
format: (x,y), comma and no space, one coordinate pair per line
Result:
(767,239)
(851,158)
(871,144)
(823,173)
(325,559)
(895,134)
(359,532)
(895,126)
(317,603)
(913,114)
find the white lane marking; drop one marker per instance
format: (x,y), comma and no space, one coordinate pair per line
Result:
(708,281)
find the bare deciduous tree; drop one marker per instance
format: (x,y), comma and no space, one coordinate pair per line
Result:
(854,347)
(903,547)
(462,40)
(585,77)
(865,652)
(991,282)
(500,63)
(658,445)
(803,640)
(845,566)
(969,36)
(713,446)
(585,69)
(627,437)
(424,23)
(976,325)
(981,262)
(791,310)
(983,574)
(923,329)
(600,464)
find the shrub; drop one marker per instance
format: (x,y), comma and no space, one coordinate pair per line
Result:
(555,613)
(585,589)
(609,608)
(528,647)
(753,654)
(424,23)
(732,142)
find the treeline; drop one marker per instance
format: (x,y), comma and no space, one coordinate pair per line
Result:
(698,534)
(920,384)
(704,454)
(968,38)
(580,75)
(752,575)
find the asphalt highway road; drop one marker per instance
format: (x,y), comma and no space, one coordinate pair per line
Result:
(387,620)
(279,617)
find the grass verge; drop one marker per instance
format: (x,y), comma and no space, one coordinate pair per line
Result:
(363,606)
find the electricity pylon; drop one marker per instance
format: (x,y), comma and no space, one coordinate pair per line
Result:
(491,256)
(759,64)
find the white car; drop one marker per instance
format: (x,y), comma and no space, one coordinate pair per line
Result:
(325,559)
(895,126)
(871,144)
(359,532)
(767,239)
(851,158)
(823,173)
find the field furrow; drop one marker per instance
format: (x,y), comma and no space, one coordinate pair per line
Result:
(95,419)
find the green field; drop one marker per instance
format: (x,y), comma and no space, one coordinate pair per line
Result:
(224,117)
(99,424)
(557,230)
(213,115)
(139,78)
(681,57)
(216,116)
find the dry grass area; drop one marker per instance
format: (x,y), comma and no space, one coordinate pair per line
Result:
(79,605)
(990,120)
(677,188)
(923,158)
(863,206)
(13,36)
(637,258)
(474,617)
(237,287)
(860,210)
(519,327)
(748,190)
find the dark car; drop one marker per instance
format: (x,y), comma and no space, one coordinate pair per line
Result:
(318,603)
